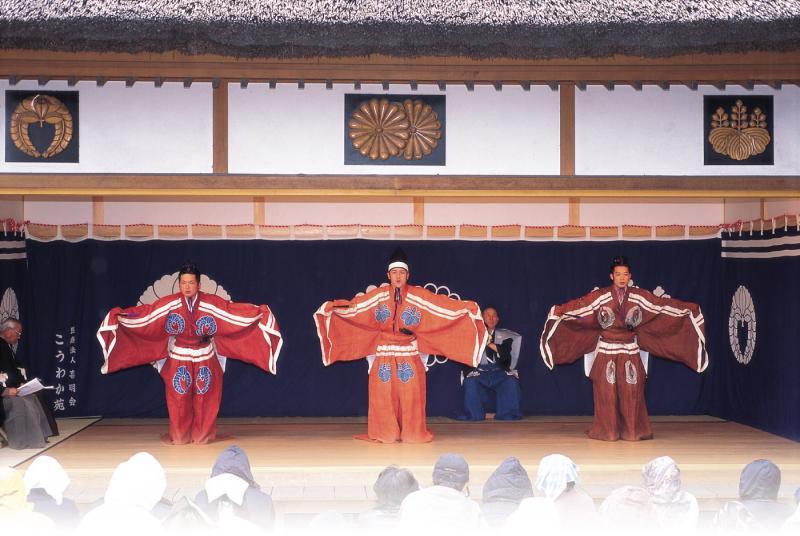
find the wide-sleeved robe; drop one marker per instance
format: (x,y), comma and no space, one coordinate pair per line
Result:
(396,328)
(193,340)
(612,332)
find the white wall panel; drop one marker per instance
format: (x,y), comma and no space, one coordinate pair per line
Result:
(178,211)
(779,207)
(11,206)
(742,209)
(603,212)
(139,129)
(657,132)
(367,211)
(503,211)
(58,210)
(289,130)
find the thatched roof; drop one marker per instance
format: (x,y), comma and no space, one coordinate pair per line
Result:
(488,28)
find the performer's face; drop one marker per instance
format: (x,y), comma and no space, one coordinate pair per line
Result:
(398,277)
(490,318)
(621,276)
(189,285)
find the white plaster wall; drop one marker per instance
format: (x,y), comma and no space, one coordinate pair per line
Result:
(11,206)
(657,132)
(140,129)
(374,211)
(289,130)
(645,211)
(58,210)
(177,211)
(501,211)
(779,207)
(742,209)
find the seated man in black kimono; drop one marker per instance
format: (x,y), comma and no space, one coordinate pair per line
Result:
(23,418)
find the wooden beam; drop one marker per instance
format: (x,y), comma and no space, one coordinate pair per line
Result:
(419,211)
(705,68)
(98,210)
(421,186)
(567,128)
(220,128)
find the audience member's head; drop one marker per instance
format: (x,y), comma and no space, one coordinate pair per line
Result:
(556,474)
(509,482)
(661,478)
(13,497)
(760,481)
(452,471)
(234,461)
(392,486)
(47,474)
(138,482)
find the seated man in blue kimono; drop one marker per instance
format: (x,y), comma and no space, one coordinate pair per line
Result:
(496,374)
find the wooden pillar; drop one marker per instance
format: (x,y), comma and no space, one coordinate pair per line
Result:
(258,211)
(419,211)
(220,128)
(567,133)
(98,210)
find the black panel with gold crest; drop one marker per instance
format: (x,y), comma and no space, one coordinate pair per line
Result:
(394,130)
(41,126)
(738,130)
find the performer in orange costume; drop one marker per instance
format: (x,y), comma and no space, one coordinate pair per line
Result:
(395,323)
(609,326)
(192,330)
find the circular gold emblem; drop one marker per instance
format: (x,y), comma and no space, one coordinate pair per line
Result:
(41,109)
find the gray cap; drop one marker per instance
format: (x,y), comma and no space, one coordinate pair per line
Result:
(451,470)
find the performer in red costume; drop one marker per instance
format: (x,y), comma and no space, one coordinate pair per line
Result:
(616,328)
(191,331)
(394,324)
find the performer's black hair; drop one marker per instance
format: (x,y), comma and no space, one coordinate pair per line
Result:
(621,260)
(490,306)
(189,268)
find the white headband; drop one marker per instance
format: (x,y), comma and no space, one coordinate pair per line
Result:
(398,264)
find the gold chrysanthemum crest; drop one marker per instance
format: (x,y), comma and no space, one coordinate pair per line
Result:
(41,109)
(379,129)
(739,135)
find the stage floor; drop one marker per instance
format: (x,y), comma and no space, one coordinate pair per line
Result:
(311,465)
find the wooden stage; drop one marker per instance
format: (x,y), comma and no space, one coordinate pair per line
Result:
(311,465)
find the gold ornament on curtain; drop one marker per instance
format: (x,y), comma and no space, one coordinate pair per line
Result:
(41,109)
(739,135)
(380,129)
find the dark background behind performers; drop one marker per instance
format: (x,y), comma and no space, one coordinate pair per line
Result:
(75,284)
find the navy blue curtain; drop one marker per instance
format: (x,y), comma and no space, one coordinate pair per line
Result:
(73,285)
(758,363)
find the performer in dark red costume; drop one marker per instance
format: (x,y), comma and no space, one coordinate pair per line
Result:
(193,331)
(615,328)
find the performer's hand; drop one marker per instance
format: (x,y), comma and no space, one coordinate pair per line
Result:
(10,391)
(492,345)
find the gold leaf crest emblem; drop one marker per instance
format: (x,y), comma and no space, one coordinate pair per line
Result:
(739,135)
(424,129)
(379,129)
(41,109)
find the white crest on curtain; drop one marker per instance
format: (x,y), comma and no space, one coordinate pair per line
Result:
(743,316)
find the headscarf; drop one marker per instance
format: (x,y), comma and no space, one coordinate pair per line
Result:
(234,461)
(138,482)
(509,482)
(46,473)
(13,497)
(555,472)
(760,480)
(661,478)
(231,476)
